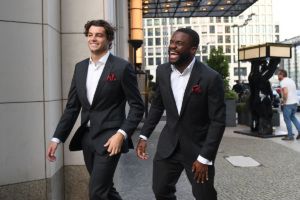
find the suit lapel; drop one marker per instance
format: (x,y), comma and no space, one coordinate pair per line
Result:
(82,81)
(106,71)
(169,88)
(193,80)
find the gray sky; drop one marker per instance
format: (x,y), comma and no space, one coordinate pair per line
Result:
(287,13)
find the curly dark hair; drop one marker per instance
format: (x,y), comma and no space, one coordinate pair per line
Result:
(193,34)
(109,29)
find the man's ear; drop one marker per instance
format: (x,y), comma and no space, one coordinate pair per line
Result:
(194,50)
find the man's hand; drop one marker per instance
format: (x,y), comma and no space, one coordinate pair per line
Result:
(141,149)
(200,172)
(114,144)
(51,151)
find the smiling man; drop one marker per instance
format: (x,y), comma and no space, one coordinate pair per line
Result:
(100,87)
(193,96)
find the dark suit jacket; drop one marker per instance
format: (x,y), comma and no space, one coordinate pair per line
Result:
(107,112)
(199,127)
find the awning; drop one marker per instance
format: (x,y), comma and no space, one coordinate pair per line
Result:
(194,8)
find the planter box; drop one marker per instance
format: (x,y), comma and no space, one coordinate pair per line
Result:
(244,118)
(230,112)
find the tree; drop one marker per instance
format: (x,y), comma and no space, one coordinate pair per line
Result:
(218,61)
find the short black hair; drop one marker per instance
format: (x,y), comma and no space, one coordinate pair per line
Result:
(109,29)
(193,34)
(283,72)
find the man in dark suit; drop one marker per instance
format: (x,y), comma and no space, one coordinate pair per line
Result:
(193,96)
(100,87)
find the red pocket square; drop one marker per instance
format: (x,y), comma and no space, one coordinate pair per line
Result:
(196,89)
(111,77)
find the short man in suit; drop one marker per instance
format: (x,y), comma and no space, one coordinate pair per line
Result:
(193,96)
(100,87)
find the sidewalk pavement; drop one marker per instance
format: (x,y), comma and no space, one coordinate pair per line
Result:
(277,178)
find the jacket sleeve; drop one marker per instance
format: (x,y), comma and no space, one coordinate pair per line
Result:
(134,99)
(156,110)
(216,114)
(70,113)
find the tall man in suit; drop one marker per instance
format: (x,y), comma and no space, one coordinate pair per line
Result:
(100,87)
(193,96)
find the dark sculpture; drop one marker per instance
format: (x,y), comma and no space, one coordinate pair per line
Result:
(261,94)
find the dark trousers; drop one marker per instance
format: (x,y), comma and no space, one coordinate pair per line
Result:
(166,173)
(101,169)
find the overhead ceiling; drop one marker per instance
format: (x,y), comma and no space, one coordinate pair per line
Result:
(194,8)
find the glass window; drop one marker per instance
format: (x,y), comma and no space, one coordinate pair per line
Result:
(149,22)
(158,51)
(194,20)
(226,19)
(220,38)
(211,19)
(204,58)
(172,21)
(150,61)
(218,19)
(204,49)
(186,20)
(212,29)
(150,31)
(150,41)
(157,41)
(165,30)
(227,39)
(179,20)
(158,60)
(243,71)
(228,58)
(150,51)
(228,49)
(157,31)
(276,28)
(156,22)
(227,29)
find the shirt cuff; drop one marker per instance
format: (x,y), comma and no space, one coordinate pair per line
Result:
(143,137)
(204,160)
(56,140)
(123,133)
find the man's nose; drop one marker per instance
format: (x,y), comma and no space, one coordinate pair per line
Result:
(172,46)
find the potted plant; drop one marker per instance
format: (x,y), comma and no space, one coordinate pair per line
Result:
(218,61)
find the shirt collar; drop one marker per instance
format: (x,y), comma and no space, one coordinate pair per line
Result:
(102,60)
(186,70)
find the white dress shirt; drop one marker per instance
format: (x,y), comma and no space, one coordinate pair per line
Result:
(178,84)
(94,73)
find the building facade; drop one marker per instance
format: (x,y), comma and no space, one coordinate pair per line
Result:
(292,65)
(214,32)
